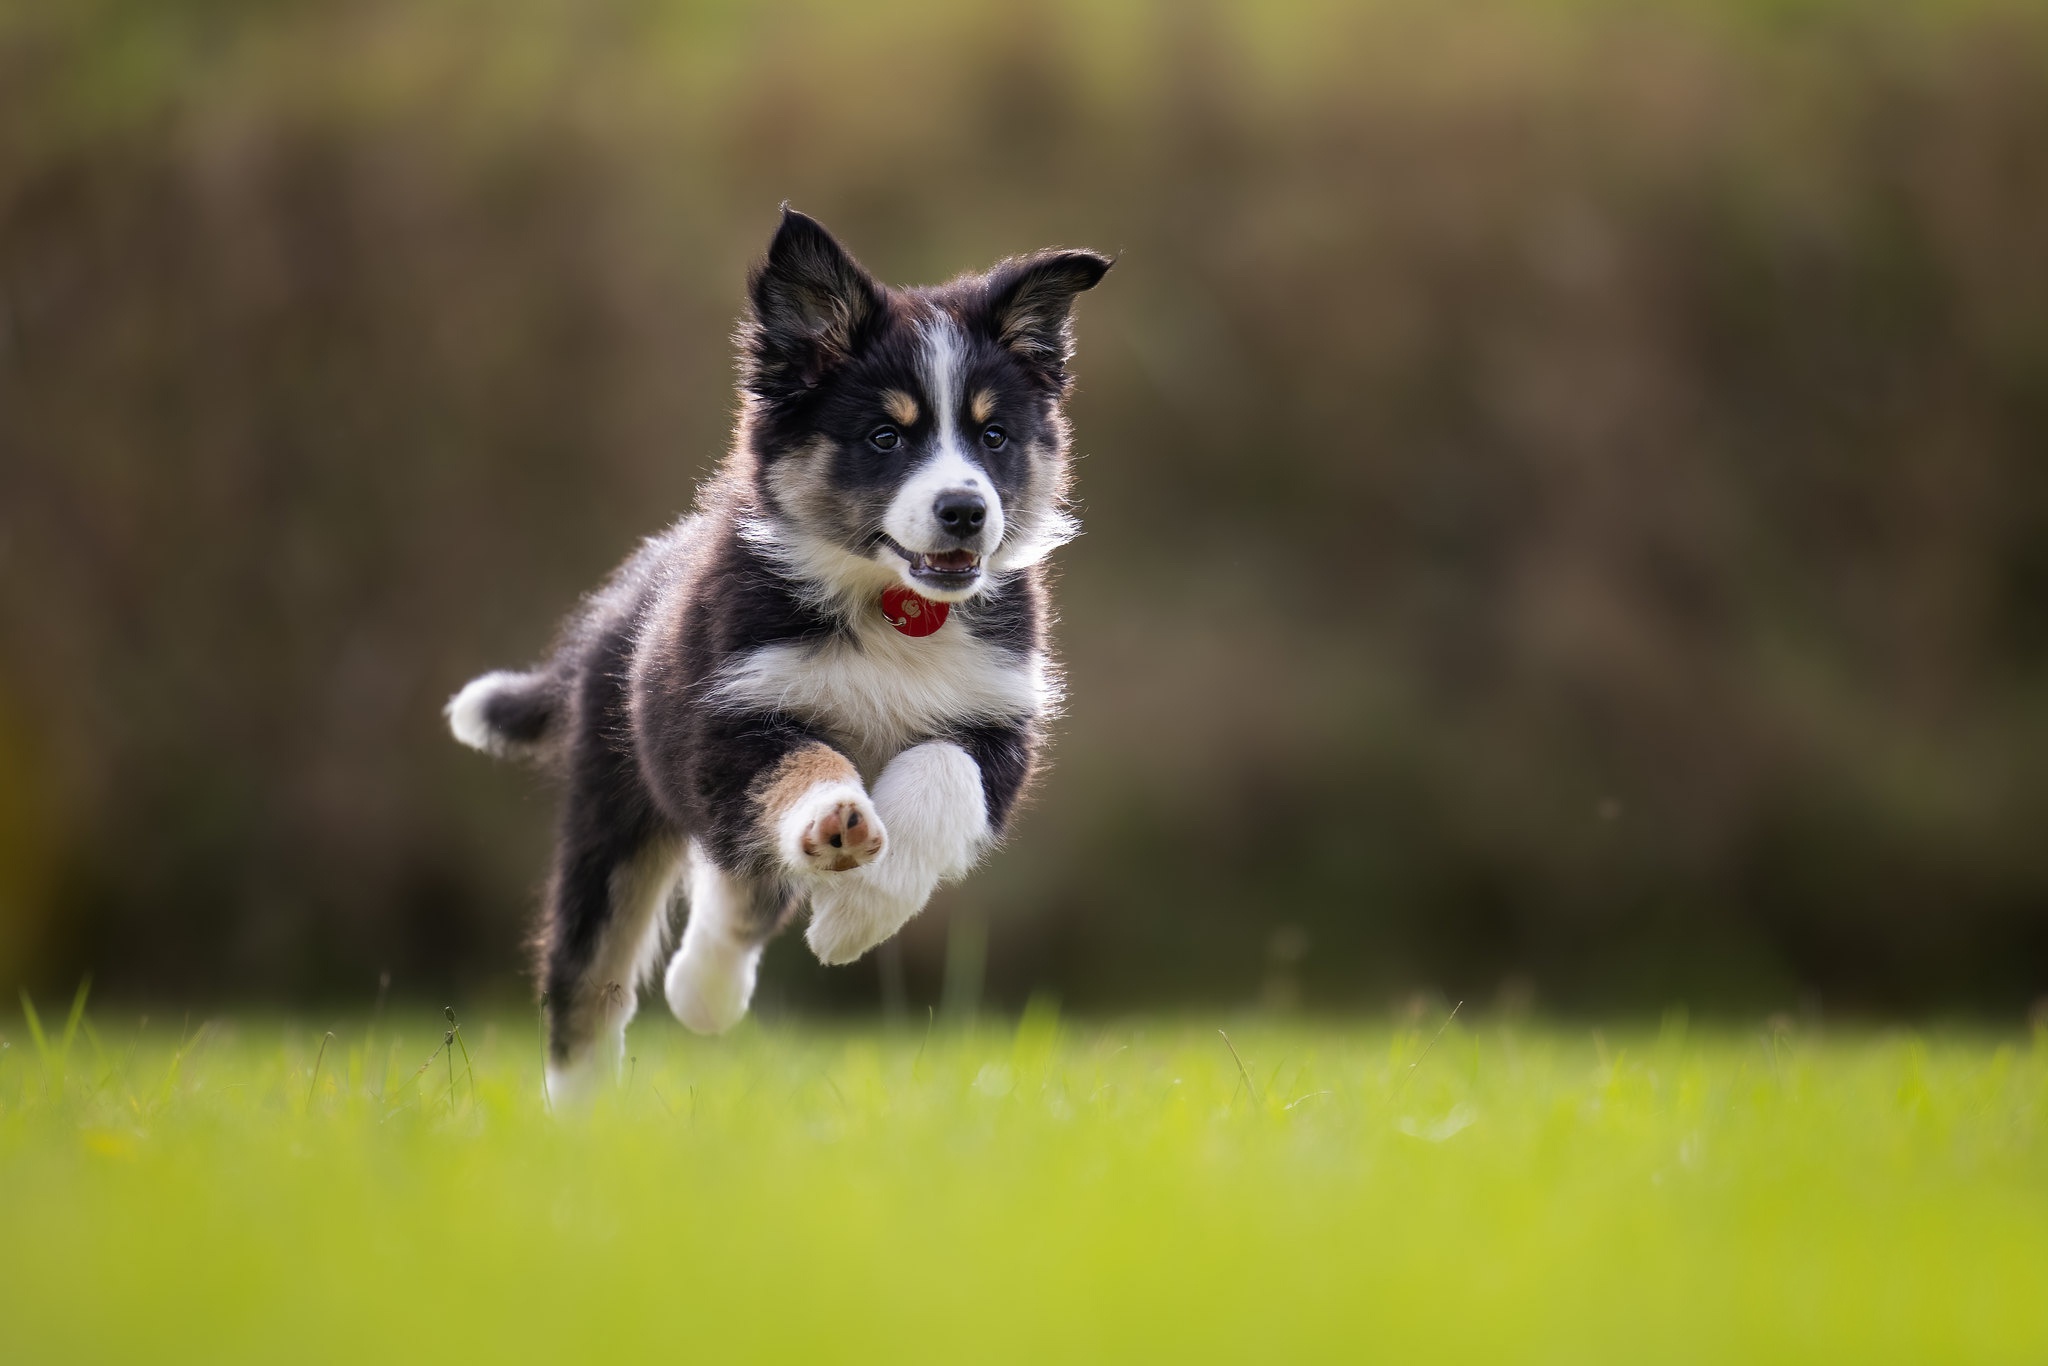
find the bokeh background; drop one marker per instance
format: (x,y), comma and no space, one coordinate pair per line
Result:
(1566,482)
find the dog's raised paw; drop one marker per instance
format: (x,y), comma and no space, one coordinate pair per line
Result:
(842,834)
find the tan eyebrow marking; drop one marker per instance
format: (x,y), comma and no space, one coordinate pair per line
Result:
(984,405)
(900,406)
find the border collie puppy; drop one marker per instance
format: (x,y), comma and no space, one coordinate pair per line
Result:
(828,684)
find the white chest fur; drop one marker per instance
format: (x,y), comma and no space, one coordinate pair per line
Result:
(883,691)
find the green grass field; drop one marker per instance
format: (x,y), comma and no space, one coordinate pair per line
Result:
(1048,1190)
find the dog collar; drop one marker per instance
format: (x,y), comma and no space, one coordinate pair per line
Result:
(911,614)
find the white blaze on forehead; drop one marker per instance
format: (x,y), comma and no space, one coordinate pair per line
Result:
(942,354)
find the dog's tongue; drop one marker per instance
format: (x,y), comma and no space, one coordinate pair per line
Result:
(911,614)
(950,561)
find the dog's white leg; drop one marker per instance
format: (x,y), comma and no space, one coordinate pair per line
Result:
(711,978)
(608,997)
(930,798)
(574,1084)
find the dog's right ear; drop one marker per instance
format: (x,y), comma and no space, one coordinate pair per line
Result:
(812,305)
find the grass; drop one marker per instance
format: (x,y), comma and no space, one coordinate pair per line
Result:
(1046,1190)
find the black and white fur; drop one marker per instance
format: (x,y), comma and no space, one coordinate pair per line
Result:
(731,714)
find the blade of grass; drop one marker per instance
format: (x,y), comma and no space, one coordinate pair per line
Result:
(314,1080)
(468,1068)
(1245,1076)
(421,1070)
(1431,1044)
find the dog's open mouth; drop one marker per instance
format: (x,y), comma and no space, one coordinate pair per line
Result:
(951,569)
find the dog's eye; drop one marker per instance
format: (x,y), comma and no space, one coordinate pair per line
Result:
(994,437)
(884,438)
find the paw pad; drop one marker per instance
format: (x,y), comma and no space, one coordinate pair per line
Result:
(841,837)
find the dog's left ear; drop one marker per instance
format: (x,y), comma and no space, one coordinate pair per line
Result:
(1031,304)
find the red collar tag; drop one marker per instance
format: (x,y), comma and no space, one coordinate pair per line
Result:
(911,614)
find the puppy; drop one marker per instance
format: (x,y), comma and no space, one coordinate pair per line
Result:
(828,684)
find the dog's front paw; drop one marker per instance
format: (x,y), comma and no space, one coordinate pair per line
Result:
(849,916)
(838,831)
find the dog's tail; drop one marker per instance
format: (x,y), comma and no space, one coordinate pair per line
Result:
(511,715)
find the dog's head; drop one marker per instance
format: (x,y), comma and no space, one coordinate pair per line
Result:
(911,436)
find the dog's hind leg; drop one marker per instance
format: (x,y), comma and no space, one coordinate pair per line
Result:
(711,978)
(608,904)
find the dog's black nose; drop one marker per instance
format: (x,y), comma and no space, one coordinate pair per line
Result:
(960,512)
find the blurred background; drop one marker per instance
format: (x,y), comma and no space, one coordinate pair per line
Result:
(1566,482)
